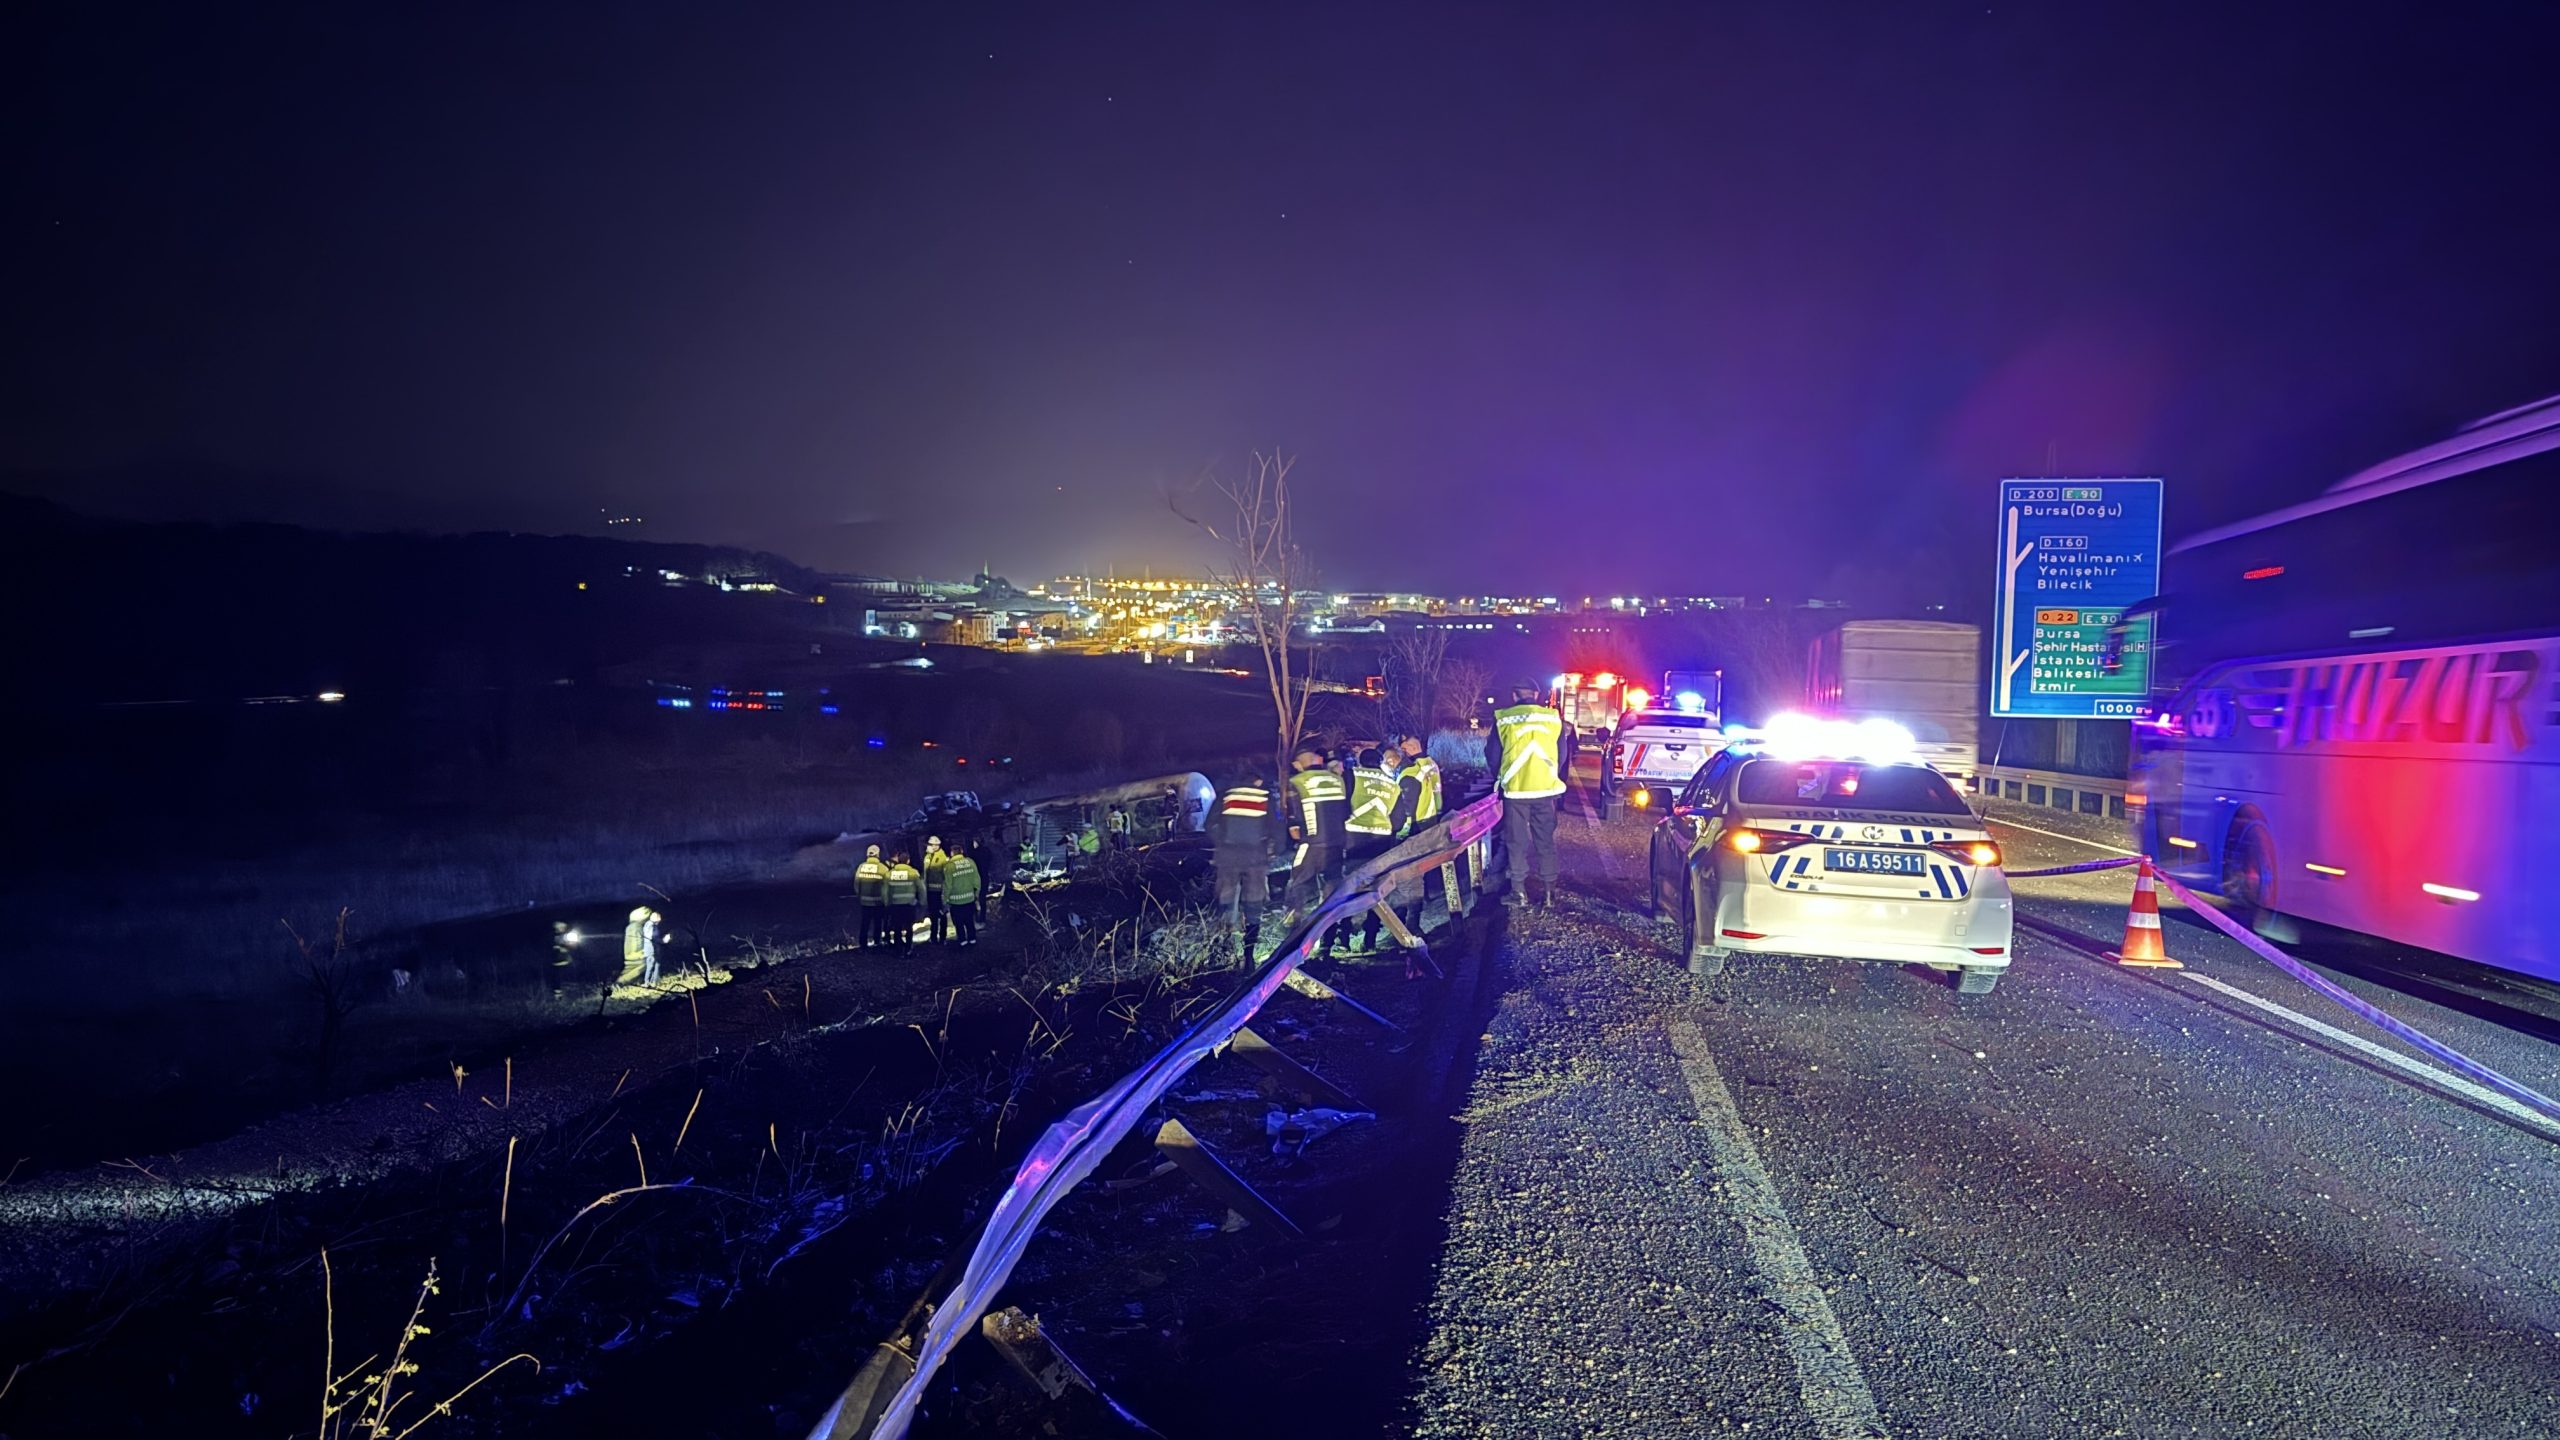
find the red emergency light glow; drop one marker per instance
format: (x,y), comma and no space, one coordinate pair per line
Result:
(2263,572)
(1605,680)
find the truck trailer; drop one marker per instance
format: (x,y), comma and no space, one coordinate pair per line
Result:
(1924,674)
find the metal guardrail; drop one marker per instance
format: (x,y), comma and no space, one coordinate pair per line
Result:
(881,1400)
(2081,794)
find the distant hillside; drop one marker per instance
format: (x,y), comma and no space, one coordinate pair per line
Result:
(116,610)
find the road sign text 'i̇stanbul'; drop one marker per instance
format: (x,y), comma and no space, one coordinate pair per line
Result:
(2074,554)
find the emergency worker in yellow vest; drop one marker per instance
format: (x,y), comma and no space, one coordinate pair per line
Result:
(1526,754)
(904,890)
(960,896)
(936,860)
(1418,806)
(1241,829)
(1317,805)
(1378,791)
(870,881)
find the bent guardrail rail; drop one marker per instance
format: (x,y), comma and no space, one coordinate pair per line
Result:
(881,1400)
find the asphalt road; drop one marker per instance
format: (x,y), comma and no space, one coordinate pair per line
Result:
(1832,1199)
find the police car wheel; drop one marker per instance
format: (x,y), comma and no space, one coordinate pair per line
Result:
(1702,959)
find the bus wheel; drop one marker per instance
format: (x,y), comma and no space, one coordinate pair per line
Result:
(2248,878)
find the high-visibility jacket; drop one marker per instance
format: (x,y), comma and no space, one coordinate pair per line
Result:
(1373,801)
(641,935)
(868,879)
(1088,841)
(1532,741)
(936,860)
(959,881)
(1318,805)
(903,885)
(1241,826)
(1423,772)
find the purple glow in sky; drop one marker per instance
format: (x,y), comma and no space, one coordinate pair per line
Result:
(1643,297)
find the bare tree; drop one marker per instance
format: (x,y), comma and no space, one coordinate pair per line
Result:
(1463,684)
(1415,660)
(1265,571)
(328,973)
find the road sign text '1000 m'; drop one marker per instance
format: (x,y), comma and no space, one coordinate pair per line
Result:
(2074,554)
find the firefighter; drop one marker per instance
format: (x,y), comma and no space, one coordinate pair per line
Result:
(936,861)
(1241,831)
(1317,803)
(902,888)
(960,896)
(640,948)
(1526,754)
(869,879)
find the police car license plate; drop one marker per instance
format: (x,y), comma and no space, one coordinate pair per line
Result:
(1873,862)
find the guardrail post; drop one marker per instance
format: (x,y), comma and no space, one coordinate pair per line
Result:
(1287,1075)
(1315,989)
(1206,1170)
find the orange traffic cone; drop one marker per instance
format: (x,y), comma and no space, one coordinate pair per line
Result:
(2142,944)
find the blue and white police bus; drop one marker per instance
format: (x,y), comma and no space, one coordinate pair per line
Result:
(2355,713)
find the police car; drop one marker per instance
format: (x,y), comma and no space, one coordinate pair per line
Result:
(1829,839)
(1653,756)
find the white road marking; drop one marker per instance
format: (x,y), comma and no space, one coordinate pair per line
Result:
(1835,1389)
(2480,1094)
(2058,835)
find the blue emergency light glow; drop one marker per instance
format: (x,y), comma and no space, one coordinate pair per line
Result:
(1691,701)
(826,709)
(876,743)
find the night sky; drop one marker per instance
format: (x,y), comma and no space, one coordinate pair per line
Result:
(1577,298)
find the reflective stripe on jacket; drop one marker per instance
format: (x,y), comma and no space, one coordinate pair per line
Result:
(1320,803)
(1373,801)
(1426,771)
(1532,738)
(903,885)
(868,879)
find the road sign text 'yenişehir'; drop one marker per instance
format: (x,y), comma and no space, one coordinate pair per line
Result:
(2074,556)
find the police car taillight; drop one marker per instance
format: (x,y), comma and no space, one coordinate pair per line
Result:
(1746,841)
(1971,852)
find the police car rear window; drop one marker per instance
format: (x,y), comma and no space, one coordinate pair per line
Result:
(1845,785)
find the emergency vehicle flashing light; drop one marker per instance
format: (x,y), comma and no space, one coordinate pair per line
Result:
(1804,737)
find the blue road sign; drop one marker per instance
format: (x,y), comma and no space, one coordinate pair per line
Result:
(2073,555)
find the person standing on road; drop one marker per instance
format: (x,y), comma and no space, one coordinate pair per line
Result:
(870,879)
(1241,832)
(902,888)
(1118,824)
(937,925)
(1317,803)
(1525,753)
(960,896)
